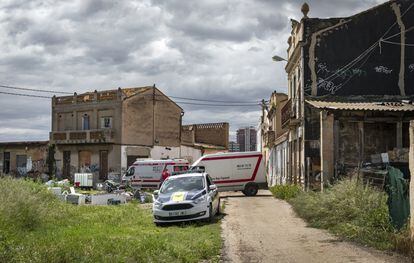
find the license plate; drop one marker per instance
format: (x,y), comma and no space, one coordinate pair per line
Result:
(178,213)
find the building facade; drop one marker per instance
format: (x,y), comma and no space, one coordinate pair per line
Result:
(23,158)
(234,146)
(275,131)
(350,92)
(105,132)
(246,139)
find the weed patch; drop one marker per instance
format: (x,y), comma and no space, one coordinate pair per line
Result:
(285,192)
(353,211)
(47,230)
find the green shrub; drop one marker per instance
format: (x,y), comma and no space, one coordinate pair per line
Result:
(25,204)
(285,192)
(350,210)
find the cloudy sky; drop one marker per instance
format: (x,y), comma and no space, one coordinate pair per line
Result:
(208,49)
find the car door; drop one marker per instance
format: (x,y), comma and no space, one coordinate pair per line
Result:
(212,193)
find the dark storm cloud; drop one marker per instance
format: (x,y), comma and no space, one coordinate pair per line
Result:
(209,49)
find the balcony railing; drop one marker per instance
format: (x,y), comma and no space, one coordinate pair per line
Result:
(286,113)
(83,136)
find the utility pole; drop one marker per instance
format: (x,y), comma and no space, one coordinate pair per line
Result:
(153,115)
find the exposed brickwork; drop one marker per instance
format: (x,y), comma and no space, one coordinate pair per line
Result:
(207,133)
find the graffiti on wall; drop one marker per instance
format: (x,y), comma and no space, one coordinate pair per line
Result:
(341,76)
(383,69)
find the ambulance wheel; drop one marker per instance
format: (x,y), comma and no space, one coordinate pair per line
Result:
(250,190)
(218,208)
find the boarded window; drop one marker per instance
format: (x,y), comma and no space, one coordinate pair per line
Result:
(85,161)
(21,161)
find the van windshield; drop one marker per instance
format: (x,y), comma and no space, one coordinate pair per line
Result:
(182,184)
(130,171)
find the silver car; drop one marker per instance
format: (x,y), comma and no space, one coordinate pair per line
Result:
(186,197)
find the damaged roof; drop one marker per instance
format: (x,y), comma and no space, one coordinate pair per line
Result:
(362,106)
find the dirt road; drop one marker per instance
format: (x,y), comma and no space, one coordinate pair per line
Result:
(264,229)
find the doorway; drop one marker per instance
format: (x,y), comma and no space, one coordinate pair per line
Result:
(66,165)
(6,162)
(103,165)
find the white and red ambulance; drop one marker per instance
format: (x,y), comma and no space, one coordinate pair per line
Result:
(234,171)
(147,173)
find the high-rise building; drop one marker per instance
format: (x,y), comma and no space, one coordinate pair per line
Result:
(234,147)
(246,138)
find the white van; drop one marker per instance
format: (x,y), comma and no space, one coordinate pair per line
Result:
(151,173)
(234,171)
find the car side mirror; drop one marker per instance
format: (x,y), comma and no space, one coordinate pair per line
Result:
(212,187)
(156,192)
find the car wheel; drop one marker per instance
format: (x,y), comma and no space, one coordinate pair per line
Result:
(250,190)
(157,224)
(218,208)
(210,213)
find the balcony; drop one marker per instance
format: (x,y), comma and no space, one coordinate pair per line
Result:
(269,138)
(83,136)
(286,114)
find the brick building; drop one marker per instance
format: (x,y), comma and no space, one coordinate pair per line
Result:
(106,131)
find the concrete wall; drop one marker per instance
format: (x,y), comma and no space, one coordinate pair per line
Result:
(190,153)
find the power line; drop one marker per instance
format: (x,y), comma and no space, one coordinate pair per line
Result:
(397,43)
(219,105)
(222,101)
(177,102)
(25,95)
(175,97)
(399,33)
(37,90)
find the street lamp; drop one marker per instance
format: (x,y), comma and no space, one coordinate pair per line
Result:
(278,58)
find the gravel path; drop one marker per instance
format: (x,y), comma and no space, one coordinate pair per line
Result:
(264,229)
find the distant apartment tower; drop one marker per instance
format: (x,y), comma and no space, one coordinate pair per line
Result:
(234,147)
(246,138)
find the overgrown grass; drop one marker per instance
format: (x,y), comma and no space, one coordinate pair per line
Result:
(36,227)
(353,211)
(285,192)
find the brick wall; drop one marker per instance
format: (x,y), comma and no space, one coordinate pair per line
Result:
(212,133)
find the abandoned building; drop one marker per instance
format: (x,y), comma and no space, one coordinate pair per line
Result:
(23,158)
(350,95)
(275,138)
(105,132)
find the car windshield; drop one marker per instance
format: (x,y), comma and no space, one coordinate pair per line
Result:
(182,184)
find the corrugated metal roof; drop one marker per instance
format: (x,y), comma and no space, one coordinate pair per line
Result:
(364,106)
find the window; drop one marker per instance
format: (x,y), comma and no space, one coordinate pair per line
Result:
(209,181)
(106,122)
(85,122)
